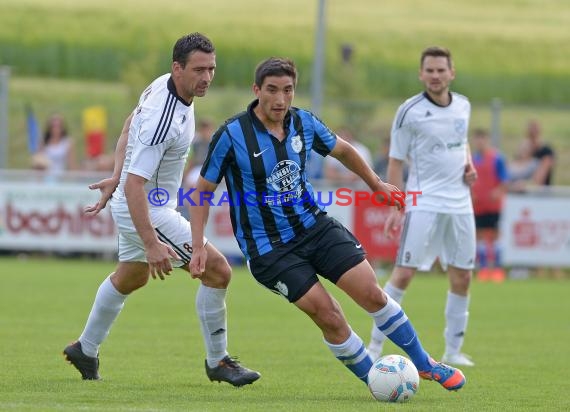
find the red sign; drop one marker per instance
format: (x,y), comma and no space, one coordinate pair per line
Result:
(369,220)
(222,222)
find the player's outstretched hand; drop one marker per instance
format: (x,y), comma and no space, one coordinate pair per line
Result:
(106,187)
(397,198)
(393,223)
(158,258)
(198,262)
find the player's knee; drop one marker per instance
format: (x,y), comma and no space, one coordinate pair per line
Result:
(331,319)
(218,272)
(460,280)
(402,276)
(377,297)
(140,282)
(373,299)
(127,284)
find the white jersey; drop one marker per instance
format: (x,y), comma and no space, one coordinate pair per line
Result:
(161,131)
(433,139)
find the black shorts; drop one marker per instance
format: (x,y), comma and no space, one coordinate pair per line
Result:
(326,248)
(487,221)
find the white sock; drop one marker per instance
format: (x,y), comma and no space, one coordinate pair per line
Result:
(107,306)
(398,295)
(211,308)
(456,316)
(353,355)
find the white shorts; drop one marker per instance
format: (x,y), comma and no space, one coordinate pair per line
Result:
(170,226)
(430,235)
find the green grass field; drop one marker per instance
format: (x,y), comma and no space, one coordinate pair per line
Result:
(153,358)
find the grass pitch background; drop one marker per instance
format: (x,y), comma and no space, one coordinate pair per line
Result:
(153,359)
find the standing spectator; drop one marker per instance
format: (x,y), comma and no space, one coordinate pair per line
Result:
(543,153)
(58,150)
(543,175)
(522,167)
(430,131)
(488,193)
(335,172)
(198,151)
(380,162)
(382,158)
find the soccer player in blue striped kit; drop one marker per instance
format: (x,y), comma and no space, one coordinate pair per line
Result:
(286,237)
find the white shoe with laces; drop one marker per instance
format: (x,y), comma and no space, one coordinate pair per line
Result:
(459,359)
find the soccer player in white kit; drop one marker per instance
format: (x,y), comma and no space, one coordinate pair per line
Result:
(430,131)
(153,236)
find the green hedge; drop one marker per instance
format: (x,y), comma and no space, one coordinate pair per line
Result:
(516,50)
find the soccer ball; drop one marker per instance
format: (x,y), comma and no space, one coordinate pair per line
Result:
(393,378)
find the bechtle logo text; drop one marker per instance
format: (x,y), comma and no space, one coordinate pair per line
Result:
(58,220)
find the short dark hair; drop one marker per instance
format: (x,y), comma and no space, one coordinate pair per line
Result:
(185,45)
(436,51)
(275,66)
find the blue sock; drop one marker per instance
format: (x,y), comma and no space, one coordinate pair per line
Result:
(482,254)
(498,262)
(393,322)
(353,355)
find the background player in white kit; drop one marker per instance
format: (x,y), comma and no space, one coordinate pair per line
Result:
(430,131)
(153,236)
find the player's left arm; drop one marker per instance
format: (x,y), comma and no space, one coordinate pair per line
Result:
(107,186)
(199,211)
(470,174)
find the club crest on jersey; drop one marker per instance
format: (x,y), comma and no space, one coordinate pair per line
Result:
(282,288)
(436,148)
(296,143)
(285,176)
(460,126)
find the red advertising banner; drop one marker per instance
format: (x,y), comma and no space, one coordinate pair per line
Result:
(368,227)
(535,230)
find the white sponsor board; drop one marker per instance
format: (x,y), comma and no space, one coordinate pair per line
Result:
(535,231)
(49,216)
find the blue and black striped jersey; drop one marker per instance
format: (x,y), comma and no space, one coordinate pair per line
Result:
(270,199)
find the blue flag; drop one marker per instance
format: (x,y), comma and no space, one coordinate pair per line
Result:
(33,130)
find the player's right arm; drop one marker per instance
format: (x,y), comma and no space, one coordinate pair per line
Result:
(107,186)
